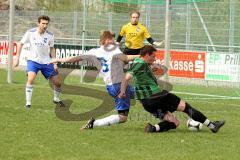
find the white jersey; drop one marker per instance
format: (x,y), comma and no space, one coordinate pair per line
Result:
(39,45)
(111,66)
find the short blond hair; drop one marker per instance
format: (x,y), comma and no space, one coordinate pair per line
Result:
(106,35)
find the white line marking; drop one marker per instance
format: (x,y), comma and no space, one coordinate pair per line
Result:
(208,95)
(186,93)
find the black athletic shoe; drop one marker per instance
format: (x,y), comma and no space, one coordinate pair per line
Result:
(60,103)
(89,124)
(28,106)
(218,125)
(149,128)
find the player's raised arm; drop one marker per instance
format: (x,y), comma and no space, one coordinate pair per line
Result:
(69,59)
(126,58)
(86,56)
(132,57)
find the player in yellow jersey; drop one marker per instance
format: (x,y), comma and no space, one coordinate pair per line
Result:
(135,33)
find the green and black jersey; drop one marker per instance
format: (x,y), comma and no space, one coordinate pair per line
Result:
(144,80)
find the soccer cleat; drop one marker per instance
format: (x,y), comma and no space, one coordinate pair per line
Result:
(217,125)
(89,124)
(28,106)
(149,128)
(60,103)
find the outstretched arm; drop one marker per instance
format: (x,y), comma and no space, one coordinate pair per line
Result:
(132,57)
(158,44)
(124,85)
(119,38)
(126,58)
(150,40)
(69,59)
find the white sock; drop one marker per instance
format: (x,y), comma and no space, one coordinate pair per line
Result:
(157,127)
(113,119)
(57,92)
(29,90)
(208,124)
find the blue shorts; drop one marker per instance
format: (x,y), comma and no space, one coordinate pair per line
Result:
(47,69)
(120,103)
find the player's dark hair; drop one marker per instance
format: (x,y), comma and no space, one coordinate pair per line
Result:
(147,49)
(105,35)
(44,18)
(134,12)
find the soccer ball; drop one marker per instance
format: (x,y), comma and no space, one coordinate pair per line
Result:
(194,125)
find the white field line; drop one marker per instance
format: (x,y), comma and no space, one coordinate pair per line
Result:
(220,104)
(237,93)
(33,108)
(208,95)
(52,109)
(213,98)
(205,96)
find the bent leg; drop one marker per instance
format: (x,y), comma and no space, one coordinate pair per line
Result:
(192,112)
(200,117)
(107,121)
(56,80)
(160,127)
(169,122)
(112,119)
(165,126)
(29,87)
(50,73)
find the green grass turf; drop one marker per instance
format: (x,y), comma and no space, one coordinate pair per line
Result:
(44,133)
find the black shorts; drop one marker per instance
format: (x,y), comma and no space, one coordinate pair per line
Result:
(161,103)
(123,112)
(129,51)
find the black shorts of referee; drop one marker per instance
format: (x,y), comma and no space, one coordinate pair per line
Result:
(129,51)
(160,103)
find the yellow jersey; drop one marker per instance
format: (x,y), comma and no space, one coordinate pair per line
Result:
(134,35)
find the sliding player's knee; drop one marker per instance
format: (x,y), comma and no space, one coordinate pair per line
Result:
(58,84)
(123,115)
(56,80)
(122,118)
(176,122)
(181,105)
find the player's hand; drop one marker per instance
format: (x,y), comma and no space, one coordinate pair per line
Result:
(171,118)
(159,44)
(16,62)
(54,61)
(117,43)
(121,95)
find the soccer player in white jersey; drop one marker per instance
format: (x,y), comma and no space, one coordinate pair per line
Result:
(112,61)
(42,50)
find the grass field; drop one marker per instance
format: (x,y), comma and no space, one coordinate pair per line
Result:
(47,132)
